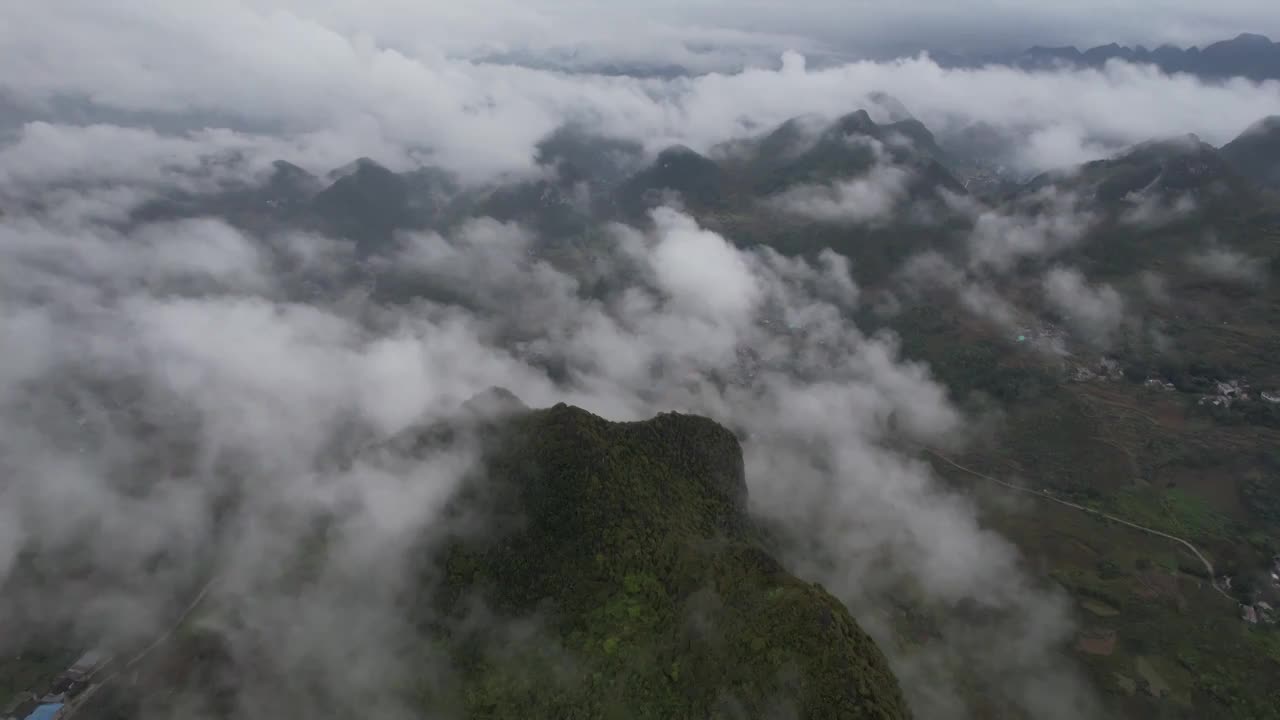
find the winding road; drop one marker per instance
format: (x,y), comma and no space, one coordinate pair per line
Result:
(1208,566)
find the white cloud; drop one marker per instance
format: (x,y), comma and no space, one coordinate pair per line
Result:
(1224,263)
(79,267)
(255,389)
(1095,312)
(869,199)
(1153,211)
(1040,226)
(701,272)
(1060,146)
(931,270)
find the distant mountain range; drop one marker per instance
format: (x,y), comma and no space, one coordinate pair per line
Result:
(1247,55)
(878,191)
(588,178)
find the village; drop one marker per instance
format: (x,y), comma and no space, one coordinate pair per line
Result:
(1224,393)
(1054,340)
(1228,392)
(54,701)
(1262,611)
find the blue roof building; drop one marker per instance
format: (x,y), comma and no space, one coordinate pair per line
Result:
(45,712)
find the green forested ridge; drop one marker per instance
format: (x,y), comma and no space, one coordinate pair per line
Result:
(633,549)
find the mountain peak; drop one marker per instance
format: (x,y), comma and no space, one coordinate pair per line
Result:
(857,122)
(893,108)
(1247,55)
(1255,153)
(494,402)
(359,165)
(677,152)
(1252,39)
(1271,122)
(619,529)
(1056,51)
(285,166)
(698,179)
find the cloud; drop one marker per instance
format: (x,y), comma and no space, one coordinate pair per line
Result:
(1151,211)
(1155,287)
(1060,146)
(43,154)
(76,266)
(1040,226)
(183,401)
(869,199)
(1095,312)
(700,272)
(1227,264)
(931,270)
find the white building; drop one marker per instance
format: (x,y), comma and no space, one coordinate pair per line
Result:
(88,664)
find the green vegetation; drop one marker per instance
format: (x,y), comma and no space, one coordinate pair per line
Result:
(33,669)
(1176,512)
(968,364)
(1250,413)
(634,553)
(1262,496)
(1155,458)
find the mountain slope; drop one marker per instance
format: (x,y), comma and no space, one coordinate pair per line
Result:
(366,203)
(696,179)
(1169,167)
(1255,154)
(593,569)
(637,538)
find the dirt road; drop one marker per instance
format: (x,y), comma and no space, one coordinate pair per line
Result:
(1208,566)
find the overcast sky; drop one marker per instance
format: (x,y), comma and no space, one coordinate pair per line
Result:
(876,26)
(858,27)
